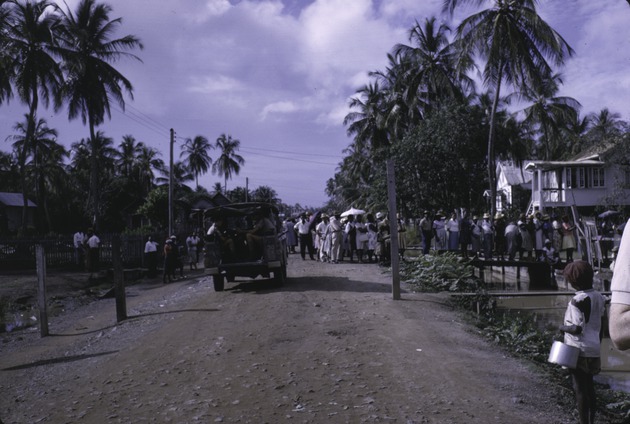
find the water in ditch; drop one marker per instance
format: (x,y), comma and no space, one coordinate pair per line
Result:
(548,306)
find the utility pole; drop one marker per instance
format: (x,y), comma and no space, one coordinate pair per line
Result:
(393,229)
(170,186)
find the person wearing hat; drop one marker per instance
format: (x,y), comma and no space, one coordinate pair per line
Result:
(539,237)
(322,239)
(500,243)
(551,256)
(169,264)
(568,237)
(584,322)
(475,236)
(336,238)
(361,237)
(487,233)
(426,229)
(439,231)
(372,231)
(512,239)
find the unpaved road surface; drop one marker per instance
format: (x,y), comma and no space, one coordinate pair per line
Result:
(329,346)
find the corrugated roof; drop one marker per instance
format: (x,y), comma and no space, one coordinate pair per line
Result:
(14,199)
(514,174)
(547,165)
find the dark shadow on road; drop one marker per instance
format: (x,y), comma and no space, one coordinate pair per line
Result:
(149,314)
(310,283)
(62,360)
(132,317)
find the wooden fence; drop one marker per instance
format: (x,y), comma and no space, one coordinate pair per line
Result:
(19,253)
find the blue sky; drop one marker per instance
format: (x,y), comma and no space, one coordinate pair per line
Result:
(277,75)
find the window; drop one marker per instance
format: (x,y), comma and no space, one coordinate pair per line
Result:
(598,177)
(581,177)
(576,178)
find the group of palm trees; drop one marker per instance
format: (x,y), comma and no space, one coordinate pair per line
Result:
(55,56)
(61,57)
(507,46)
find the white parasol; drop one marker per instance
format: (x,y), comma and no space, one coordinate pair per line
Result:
(353,211)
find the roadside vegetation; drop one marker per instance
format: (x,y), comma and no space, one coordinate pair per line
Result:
(516,332)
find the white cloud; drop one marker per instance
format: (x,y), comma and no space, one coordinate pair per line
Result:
(284,107)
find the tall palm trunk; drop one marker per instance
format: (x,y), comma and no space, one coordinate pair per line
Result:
(492,172)
(93,202)
(30,134)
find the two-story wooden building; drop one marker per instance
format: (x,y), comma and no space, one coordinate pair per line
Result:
(586,182)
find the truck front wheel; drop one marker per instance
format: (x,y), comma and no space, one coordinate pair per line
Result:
(218,282)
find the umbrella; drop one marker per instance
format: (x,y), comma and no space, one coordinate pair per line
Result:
(608,214)
(353,211)
(313,221)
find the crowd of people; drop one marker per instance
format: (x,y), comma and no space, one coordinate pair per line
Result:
(364,238)
(525,237)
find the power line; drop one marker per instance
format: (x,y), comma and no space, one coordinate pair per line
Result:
(295,153)
(286,158)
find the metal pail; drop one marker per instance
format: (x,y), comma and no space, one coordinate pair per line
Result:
(563,354)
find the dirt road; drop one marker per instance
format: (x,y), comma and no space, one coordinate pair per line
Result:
(329,346)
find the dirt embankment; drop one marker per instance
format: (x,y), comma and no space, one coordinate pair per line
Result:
(329,346)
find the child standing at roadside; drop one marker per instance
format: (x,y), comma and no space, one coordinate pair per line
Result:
(583,328)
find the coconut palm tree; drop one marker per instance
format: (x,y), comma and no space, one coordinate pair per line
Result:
(181,175)
(28,57)
(547,113)
(127,156)
(82,153)
(50,174)
(605,123)
(265,194)
(229,161)
(573,134)
(5,56)
(148,162)
(432,71)
(217,188)
(38,150)
(195,151)
(365,122)
(516,44)
(92,82)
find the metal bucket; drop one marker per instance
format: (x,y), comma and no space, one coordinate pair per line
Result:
(563,354)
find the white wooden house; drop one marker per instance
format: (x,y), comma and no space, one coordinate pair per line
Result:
(580,185)
(585,181)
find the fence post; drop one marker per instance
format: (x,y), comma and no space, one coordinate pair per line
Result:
(40,259)
(119,280)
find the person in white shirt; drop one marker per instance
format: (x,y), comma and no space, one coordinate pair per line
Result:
(583,327)
(452,229)
(362,237)
(303,228)
(94,244)
(150,252)
(336,237)
(322,237)
(79,240)
(193,254)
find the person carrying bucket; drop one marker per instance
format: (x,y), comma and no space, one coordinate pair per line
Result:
(583,328)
